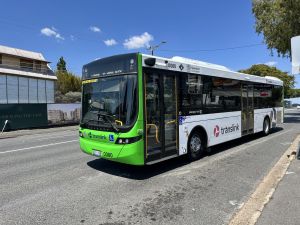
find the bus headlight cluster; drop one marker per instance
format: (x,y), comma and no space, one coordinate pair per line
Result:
(128,140)
(80,134)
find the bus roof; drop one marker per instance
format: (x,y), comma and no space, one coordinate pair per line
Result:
(198,67)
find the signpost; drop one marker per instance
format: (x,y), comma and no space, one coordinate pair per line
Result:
(295,44)
(6,121)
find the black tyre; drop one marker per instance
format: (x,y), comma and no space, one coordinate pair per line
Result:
(196,146)
(266,126)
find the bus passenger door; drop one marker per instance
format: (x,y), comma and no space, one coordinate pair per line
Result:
(153,118)
(250,110)
(170,114)
(247,109)
(161,115)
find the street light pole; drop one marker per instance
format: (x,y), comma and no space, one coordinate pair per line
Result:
(154,47)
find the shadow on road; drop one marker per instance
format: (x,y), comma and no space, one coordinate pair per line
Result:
(146,172)
(137,172)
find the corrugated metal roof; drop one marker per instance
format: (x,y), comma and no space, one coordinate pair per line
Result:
(22,53)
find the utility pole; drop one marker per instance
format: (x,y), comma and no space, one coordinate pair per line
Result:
(154,47)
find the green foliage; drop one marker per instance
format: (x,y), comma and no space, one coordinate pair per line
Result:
(67,82)
(68,85)
(61,65)
(278,21)
(69,97)
(264,70)
(294,93)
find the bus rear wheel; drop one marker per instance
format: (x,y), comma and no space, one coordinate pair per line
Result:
(266,126)
(196,146)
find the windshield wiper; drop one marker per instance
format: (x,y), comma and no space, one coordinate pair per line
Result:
(98,120)
(89,120)
(107,117)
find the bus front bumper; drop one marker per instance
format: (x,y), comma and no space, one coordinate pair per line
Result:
(132,154)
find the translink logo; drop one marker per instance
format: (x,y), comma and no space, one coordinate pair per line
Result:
(225,130)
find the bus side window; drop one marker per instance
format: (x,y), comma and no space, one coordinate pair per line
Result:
(190,92)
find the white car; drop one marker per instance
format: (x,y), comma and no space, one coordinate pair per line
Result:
(298,106)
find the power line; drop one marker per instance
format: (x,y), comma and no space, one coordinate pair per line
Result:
(213,50)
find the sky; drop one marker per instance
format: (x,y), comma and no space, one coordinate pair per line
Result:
(215,31)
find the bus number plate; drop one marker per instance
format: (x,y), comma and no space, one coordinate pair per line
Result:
(96,153)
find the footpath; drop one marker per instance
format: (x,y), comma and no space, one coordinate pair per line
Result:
(276,200)
(17,133)
(284,206)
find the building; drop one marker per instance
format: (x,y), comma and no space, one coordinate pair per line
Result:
(76,114)
(26,86)
(55,116)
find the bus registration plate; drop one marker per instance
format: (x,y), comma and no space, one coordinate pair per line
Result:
(96,153)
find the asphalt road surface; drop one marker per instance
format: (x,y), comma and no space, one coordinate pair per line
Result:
(46,179)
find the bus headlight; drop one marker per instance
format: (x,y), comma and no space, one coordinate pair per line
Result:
(128,140)
(80,134)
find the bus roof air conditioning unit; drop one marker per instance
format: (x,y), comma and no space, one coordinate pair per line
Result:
(295,43)
(199,63)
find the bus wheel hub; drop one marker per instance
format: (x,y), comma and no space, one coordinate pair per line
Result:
(195,144)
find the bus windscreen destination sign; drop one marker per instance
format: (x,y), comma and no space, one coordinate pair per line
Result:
(115,65)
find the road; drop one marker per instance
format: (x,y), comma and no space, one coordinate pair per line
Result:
(46,179)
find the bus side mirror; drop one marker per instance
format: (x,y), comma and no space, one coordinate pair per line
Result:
(150,61)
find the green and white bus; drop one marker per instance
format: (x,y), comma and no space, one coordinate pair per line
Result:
(141,109)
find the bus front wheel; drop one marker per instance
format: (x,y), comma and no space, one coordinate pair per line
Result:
(196,145)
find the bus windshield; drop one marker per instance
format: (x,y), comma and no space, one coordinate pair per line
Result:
(110,101)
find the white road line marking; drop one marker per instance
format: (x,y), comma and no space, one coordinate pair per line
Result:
(58,136)
(286,143)
(40,146)
(288,172)
(236,203)
(233,202)
(26,135)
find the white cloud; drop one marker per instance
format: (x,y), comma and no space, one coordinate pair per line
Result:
(95,29)
(110,42)
(271,63)
(140,41)
(72,37)
(51,32)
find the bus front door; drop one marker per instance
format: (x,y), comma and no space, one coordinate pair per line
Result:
(247,109)
(161,116)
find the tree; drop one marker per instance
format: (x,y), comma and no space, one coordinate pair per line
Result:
(278,21)
(67,82)
(68,85)
(61,65)
(264,70)
(294,93)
